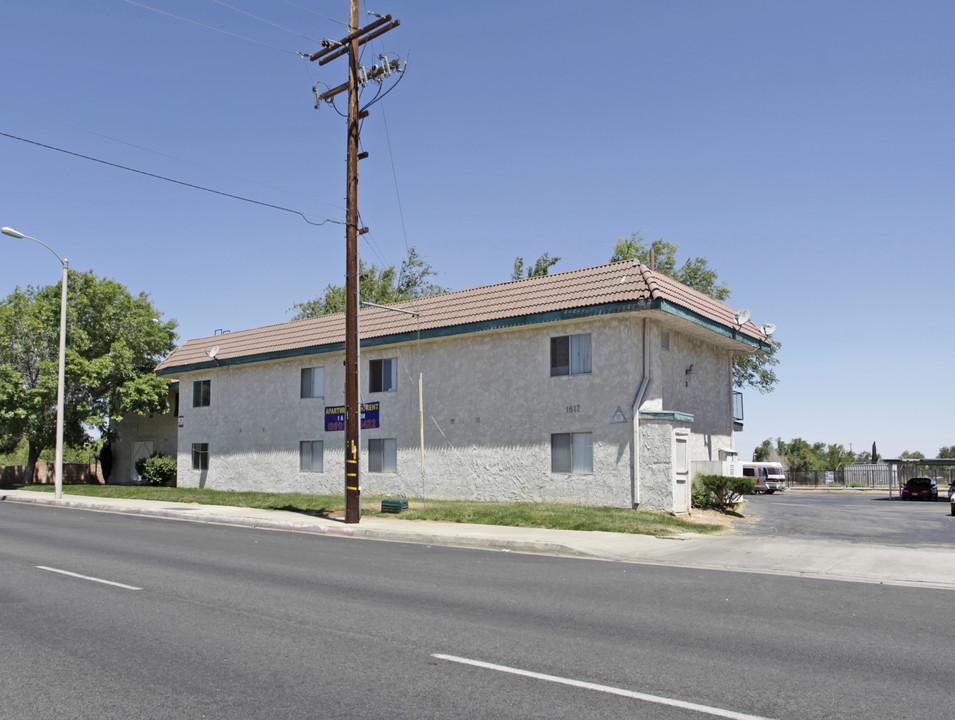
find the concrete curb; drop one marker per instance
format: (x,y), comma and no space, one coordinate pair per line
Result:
(174,514)
(331,528)
(816,559)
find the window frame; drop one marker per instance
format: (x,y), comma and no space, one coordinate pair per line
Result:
(383,375)
(378,460)
(306,460)
(200,456)
(309,384)
(579,458)
(571,354)
(201,393)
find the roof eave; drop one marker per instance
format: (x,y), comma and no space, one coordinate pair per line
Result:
(734,335)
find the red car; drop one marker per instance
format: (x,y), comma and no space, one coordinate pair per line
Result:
(921,487)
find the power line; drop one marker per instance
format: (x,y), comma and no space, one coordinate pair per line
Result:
(267,22)
(171,180)
(394,175)
(327,17)
(170,157)
(219,30)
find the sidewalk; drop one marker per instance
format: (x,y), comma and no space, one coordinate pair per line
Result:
(890,565)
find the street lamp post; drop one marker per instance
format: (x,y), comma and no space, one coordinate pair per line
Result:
(61,372)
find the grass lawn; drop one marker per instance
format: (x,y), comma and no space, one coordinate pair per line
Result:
(555,516)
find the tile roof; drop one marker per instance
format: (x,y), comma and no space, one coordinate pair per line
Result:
(604,285)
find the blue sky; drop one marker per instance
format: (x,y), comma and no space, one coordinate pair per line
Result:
(804,148)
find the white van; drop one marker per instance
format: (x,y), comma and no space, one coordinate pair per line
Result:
(769,476)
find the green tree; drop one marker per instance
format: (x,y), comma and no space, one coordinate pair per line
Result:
(695,272)
(875,453)
(113,342)
(799,455)
(834,456)
(755,371)
(767,452)
(946,452)
(541,266)
(382,286)
(912,455)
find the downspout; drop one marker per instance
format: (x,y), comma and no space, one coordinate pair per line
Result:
(638,400)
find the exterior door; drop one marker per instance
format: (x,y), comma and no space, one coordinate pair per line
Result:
(681,472)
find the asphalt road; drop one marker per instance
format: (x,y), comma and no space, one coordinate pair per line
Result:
(856,516)
(206,621)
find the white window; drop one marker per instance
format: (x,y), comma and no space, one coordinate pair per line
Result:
(383,455)
(313,382)
(383,375)
(201,393)
(311,456)
(572,453)
(200,456)
(570,355)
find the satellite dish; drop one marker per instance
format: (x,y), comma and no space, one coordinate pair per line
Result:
(212,353)
(768,329)
(741,317)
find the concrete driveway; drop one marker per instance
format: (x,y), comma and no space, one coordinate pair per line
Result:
(849,515)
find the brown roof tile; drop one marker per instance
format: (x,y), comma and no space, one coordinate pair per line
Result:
(619,282)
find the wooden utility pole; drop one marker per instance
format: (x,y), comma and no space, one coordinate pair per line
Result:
(349,46)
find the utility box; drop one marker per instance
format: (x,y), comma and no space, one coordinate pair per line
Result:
(393,505)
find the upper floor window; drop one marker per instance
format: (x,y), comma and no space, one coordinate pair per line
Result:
(201,393)
(313,382)
(570,355)
(383,375)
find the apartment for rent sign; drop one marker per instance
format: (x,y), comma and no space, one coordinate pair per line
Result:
(335,417)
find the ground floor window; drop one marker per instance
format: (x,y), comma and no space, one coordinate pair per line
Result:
(383,455)
(311,456)
(200,456)
(572,453)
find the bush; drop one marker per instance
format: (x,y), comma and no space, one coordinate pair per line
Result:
(157,469)
(721,492)
(701,498)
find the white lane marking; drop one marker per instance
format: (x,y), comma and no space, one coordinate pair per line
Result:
(87,577)
(719,712)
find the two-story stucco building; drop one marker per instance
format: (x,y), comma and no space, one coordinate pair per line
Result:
(602,386)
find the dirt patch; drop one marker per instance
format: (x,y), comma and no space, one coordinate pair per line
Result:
(727,520)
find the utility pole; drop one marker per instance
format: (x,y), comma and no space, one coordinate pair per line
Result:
(356,76)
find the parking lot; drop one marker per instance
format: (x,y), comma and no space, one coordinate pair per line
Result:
(849,515)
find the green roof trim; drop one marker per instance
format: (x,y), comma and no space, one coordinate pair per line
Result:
(483,326)
(670,415)
(733,334)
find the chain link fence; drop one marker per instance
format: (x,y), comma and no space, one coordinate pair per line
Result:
(874,476)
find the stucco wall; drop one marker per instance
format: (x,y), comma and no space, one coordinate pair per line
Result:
(706,393)
(490,407)
(140,436)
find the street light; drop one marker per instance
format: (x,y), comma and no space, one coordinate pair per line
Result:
(61,372)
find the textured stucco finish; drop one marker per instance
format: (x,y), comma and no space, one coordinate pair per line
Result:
(490,407)
(139,436)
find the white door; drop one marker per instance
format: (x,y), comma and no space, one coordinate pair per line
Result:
(681,472)
(141,450)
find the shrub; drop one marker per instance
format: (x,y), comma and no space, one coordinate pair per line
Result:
(701,498)
(157,469)
(721,492)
